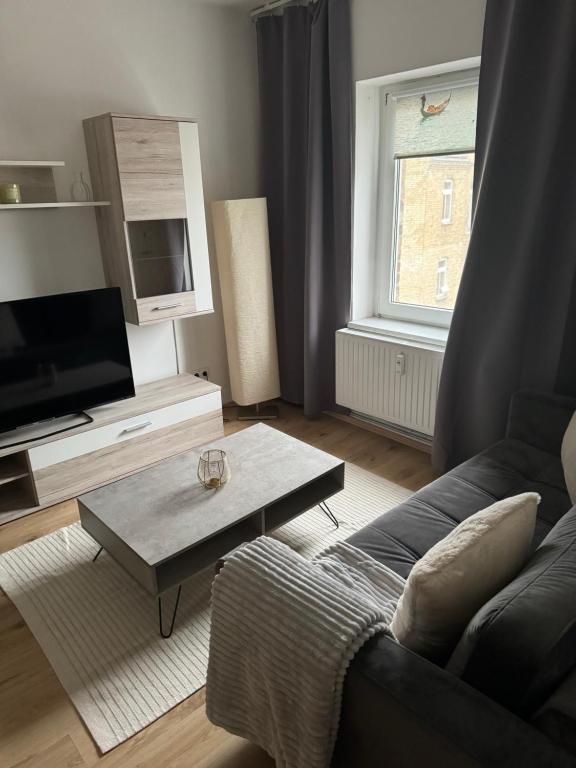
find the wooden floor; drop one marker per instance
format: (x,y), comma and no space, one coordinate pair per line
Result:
(39,727)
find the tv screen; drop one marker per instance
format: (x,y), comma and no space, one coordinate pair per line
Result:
(62,354)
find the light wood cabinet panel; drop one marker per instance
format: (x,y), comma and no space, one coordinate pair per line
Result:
(164,418)
(153,236)
(173,305)
(150,168)
(84,473)
(111,228)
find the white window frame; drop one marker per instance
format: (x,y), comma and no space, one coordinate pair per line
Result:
(470,210)
(447,199)
(387,187)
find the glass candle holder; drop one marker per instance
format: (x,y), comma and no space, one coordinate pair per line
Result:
(213,468)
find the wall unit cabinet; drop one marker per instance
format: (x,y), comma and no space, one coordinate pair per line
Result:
(153,236)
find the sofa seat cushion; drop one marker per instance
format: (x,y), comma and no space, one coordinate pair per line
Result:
(400,537)
(522,643)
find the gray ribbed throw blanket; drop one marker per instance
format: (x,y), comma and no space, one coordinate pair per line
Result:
(284,630)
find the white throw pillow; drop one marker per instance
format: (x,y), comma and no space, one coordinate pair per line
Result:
(461,572)
(569,458)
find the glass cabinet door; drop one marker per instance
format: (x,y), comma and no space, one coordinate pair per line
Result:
(160,253)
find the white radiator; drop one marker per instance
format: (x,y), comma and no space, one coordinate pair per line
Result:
(393,381)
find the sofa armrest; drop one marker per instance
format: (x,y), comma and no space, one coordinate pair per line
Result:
(540,419)
(400,710)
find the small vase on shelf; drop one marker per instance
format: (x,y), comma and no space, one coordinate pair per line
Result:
(80,191)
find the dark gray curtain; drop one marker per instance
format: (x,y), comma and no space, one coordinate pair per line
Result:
(514,323)
(306,103)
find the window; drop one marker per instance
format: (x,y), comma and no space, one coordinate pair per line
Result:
(447,201)
(442,280)
(426,167)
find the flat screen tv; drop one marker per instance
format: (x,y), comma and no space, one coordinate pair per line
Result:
(62,354)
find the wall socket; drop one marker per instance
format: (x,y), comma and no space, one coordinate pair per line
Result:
(202,373)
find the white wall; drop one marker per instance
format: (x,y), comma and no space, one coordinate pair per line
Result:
(64,60)
(390,36)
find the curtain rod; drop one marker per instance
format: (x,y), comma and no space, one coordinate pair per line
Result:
(275,5)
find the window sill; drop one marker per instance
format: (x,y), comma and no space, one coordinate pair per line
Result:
(414,334)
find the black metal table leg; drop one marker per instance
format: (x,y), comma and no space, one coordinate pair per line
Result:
(96,555)
(164,634)
(329,514)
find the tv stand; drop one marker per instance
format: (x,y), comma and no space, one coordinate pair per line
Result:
(43,429)
(166,417)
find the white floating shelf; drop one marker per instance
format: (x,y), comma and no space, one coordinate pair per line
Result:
(33,163)
(21,206)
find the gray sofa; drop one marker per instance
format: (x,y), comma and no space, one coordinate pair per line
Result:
(507,694)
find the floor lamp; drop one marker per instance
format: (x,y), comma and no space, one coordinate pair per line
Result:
(243,254)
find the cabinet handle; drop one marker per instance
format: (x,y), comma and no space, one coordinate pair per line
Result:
(167,306)
(135,427)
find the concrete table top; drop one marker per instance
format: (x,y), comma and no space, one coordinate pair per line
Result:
(164,510)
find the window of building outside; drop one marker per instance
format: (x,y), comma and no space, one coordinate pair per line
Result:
(447,201)
(426,160)
(442,280)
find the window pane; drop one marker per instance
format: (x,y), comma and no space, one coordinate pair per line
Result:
(432,228)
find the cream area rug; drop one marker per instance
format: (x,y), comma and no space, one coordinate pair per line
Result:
(99,628)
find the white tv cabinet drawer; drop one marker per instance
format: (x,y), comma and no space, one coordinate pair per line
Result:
(127,429)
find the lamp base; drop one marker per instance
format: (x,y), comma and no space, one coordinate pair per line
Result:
(257,412)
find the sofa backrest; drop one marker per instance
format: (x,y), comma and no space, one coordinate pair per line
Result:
(522,643)
(540,418)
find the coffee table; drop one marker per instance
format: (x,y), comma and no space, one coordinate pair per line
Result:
(162,526)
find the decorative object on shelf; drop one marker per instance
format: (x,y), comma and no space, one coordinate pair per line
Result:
(243,251)
(10,194)
(213,468)
(80,191)
(34,180)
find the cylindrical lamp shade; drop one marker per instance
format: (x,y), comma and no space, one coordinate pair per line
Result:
(243,252)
